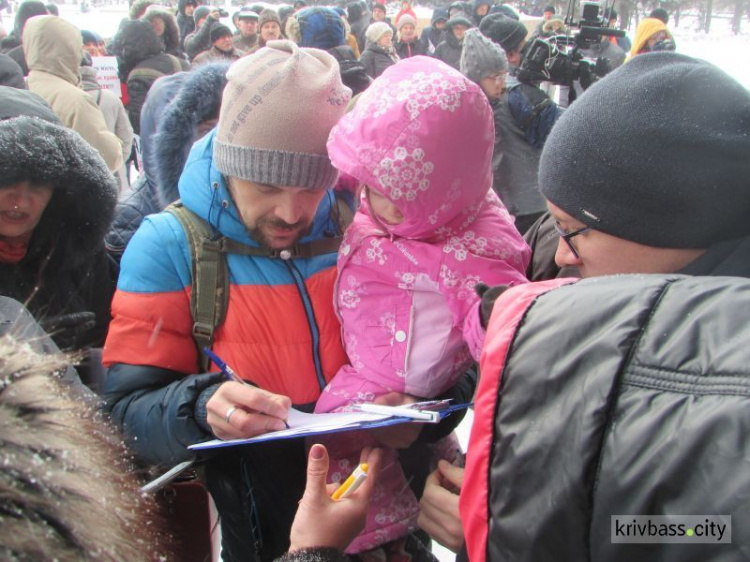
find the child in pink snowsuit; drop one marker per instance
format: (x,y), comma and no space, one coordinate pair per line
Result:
(429,228)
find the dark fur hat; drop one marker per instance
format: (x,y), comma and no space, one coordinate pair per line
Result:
(85,192)
(171,29)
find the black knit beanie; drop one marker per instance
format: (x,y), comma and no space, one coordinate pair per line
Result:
(219,31)
(658,153)
(504,31)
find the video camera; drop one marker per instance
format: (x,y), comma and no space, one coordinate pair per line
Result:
(559,60)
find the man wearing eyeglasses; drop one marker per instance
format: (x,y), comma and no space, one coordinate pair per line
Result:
(649,176)
(616,395)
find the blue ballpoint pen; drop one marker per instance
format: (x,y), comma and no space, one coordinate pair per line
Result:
(229,373)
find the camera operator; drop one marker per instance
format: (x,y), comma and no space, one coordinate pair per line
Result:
(526,116)
(200,40)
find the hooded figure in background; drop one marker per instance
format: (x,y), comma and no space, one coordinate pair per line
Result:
(188,105)
(53,49)
(166,29)
(359,19)
(114,114)
(57,199)
(141,60)
(434,34)
(185,21)
(449,50)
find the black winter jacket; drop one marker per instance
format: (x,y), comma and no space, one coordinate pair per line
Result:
(65,270)
(406,50)
(449,50)
(185,23)
(376,59)
(138,49)
(200,39)
(620,395)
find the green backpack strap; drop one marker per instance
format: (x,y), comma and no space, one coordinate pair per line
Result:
(209,297)
(210,287)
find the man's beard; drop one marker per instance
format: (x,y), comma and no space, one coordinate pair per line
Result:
(258,235)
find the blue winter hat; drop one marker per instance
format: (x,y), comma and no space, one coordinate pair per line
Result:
(320,28)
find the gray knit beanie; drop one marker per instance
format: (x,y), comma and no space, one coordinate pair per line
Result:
(504,31)
(278,107)
(481,57)
(658,153)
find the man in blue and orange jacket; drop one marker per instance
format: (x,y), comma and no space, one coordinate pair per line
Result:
(261,179)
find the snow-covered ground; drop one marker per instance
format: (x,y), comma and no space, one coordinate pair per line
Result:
(720,47)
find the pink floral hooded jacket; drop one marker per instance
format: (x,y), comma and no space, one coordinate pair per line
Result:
(422,135)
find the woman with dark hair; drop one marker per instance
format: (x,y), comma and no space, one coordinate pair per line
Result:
(57,198)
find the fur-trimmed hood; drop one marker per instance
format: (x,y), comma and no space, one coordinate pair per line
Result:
(85,192)
(138,7)
(199,99)
(171,37)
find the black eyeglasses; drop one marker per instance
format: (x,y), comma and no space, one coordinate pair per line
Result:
(568,235)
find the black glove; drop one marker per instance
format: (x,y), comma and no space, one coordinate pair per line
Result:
(489,296)
(66,329)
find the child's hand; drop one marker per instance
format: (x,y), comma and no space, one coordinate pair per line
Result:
(400,436)
(323,522)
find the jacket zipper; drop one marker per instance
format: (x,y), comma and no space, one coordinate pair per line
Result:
(311,322)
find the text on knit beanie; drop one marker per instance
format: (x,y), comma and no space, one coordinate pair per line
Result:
(481,57)
(376,30)
(655,153)
(278,107)
(505,31)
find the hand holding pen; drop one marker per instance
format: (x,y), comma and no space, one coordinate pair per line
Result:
(322,521)
(237,411)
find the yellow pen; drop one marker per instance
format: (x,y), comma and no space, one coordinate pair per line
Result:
(351,484)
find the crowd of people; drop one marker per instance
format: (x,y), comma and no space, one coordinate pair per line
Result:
(347,210)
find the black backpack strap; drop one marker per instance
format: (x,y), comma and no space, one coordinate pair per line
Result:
(210,285)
